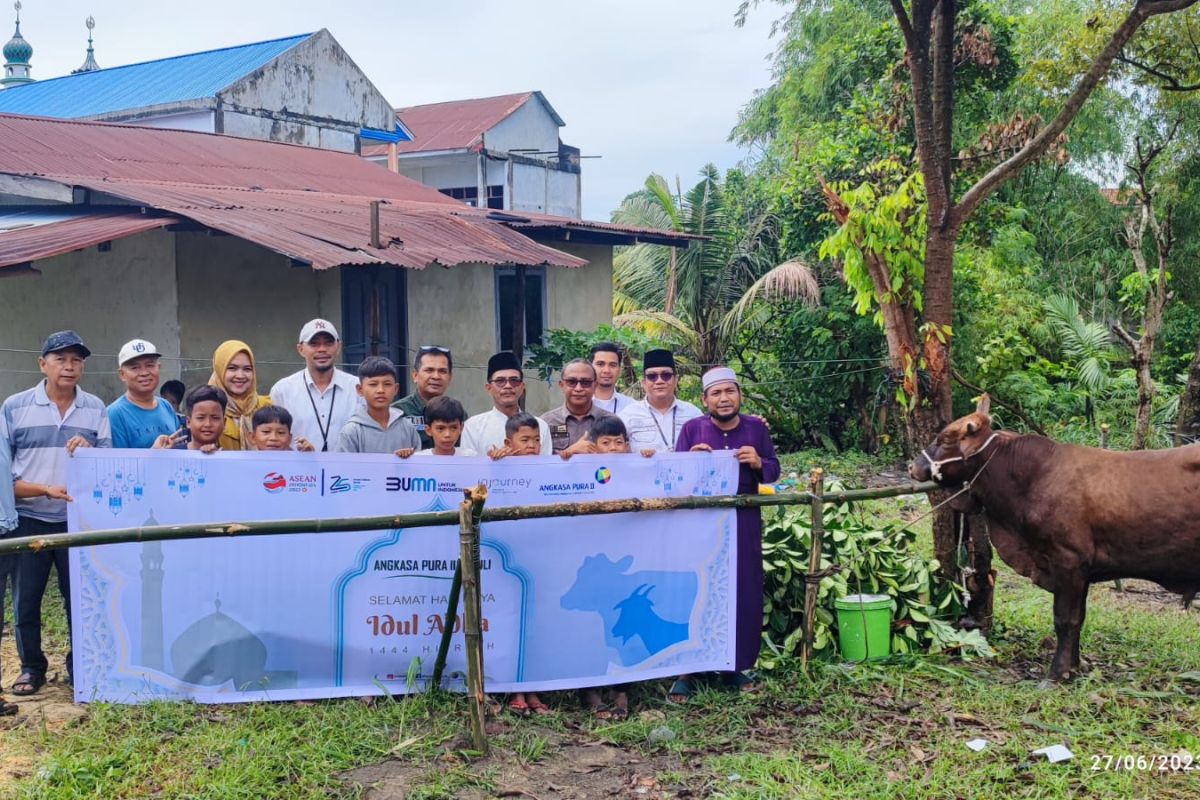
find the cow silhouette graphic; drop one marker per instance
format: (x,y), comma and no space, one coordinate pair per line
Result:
(637,618)
(632,624)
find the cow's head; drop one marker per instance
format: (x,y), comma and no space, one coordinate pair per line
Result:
(950,460)
(594,581)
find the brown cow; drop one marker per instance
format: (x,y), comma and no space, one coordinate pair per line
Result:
(1067,516)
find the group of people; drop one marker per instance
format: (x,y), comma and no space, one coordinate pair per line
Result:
(323,408)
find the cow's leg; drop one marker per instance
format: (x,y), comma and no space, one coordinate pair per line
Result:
(1069,606)
(1076,662)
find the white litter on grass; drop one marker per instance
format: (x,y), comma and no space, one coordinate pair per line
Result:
(1055,753)
(977,744)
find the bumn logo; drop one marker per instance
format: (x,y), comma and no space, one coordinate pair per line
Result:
(396,484)
(274,483)
(603,475)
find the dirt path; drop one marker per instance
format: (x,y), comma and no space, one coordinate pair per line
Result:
(50,710)
(571,767)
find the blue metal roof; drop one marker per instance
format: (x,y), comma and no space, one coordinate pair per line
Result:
(169,80)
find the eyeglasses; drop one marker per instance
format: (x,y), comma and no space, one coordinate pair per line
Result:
(660,377)
(586,383)
(517,381)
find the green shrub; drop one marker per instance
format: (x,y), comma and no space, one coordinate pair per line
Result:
(875,558)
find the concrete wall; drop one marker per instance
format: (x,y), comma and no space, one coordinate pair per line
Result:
(456,308)
(562,193)
(232,289)
(109,298)
(274,130)
(530,126)
(201,121)
(317,80)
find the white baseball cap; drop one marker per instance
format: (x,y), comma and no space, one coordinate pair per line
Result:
(136,348)
(315,326)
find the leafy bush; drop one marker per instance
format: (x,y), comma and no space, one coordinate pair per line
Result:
(875,558)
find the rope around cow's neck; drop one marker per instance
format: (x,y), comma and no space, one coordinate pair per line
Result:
(966,487)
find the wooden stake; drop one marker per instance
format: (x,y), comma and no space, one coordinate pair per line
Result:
(817,536)
(468,547)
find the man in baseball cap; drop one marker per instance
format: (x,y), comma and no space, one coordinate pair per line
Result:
(320,397)
(139,416)
(42,427)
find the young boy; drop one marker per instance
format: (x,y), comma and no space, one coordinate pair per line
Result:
(376,427)
(444,420)
(608,435)
(273,431)
(522,437)
(173,391)
(205,422)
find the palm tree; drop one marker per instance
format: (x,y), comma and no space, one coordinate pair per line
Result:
(697,298)
(1086,345)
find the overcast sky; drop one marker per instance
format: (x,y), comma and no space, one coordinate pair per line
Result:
(649,85)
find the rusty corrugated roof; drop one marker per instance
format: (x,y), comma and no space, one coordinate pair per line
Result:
(311,205)
(41,146)
(35,242)
(456,124)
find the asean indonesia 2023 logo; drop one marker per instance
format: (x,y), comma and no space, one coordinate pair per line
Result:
(603,475)
(274,482)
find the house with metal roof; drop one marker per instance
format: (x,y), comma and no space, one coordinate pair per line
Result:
(299,89)
(491,152)
(188,238)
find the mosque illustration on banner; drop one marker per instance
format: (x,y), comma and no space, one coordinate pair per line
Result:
(214,650)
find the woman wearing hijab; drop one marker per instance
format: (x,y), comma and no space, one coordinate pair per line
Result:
(233,371)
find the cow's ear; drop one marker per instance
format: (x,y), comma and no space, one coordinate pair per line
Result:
(985,405)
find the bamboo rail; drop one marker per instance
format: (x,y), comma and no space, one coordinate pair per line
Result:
(425,519)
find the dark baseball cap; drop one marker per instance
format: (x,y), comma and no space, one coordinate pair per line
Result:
(63,340)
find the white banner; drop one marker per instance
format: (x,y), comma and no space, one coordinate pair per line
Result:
(567,602)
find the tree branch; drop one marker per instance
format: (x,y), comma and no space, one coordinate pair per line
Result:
(1123,335)
(1170,82)
(985,186)
(1014,409)
(905,24)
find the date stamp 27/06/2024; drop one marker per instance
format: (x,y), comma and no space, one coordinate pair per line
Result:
(1181,761)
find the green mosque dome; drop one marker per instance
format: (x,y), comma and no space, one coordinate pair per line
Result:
(18,51)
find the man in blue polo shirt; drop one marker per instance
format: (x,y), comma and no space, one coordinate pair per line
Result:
(44,426)
(139,416)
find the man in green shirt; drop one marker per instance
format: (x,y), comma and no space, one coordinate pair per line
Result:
(432,373)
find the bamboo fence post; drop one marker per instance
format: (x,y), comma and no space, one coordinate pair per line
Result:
(439,664)
(1118,584)
(817,535)
(470,513)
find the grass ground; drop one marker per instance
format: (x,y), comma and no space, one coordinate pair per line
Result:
(896,729)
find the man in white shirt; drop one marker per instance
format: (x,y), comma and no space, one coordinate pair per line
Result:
(654,422)
(484,433)
(606,360)
(320,397)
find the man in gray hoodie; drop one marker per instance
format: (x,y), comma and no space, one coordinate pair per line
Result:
(377,427)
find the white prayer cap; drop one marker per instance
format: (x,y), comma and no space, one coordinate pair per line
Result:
(718,375)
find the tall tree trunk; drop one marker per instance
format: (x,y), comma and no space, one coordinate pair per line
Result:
(1187,423)
(1145,384)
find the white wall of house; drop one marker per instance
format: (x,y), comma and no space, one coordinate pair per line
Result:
(529,127)
(109,298)
(200,121)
